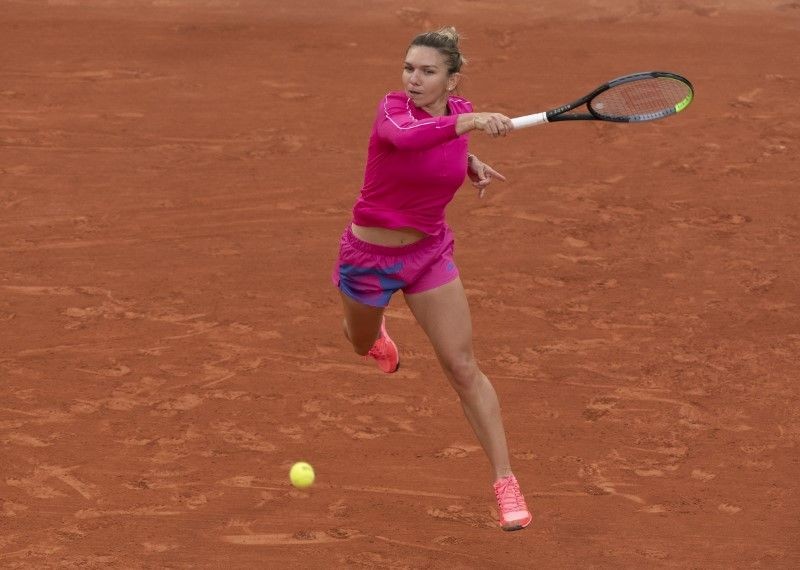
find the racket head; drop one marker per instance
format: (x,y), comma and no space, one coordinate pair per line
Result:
(641,97)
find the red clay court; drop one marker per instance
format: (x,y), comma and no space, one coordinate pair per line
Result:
(174,178)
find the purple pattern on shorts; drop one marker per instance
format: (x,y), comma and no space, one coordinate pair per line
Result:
(388,284)
(371,274)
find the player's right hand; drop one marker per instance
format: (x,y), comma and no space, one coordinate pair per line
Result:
(494,124)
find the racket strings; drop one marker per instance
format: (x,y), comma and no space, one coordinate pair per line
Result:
(641,98)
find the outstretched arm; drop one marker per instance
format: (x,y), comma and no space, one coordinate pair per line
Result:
(494,124)
(398,126)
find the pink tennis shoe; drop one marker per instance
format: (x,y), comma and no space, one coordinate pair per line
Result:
(384,351)
(514,513)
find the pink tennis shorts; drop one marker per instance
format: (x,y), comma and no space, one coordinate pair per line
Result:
(371,274)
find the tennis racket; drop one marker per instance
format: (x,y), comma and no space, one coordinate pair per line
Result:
(632,98)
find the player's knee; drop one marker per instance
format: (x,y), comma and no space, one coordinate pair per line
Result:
(463,372)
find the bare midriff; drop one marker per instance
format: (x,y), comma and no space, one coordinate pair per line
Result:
(386,237)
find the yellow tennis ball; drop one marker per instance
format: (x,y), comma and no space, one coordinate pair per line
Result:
(301,475)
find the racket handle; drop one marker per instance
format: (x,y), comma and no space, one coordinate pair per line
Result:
(529,120)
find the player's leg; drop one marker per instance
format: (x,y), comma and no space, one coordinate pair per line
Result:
(367,277)
(445,317)
(365,328)
(362,323)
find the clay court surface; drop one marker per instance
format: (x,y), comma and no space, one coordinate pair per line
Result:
(174,178)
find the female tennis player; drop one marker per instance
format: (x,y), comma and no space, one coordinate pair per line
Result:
(398,239)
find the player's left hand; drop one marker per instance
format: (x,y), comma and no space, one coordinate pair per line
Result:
(481,175)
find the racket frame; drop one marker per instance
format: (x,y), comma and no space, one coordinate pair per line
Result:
(562,113)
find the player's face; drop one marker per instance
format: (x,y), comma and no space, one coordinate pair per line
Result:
(425,77)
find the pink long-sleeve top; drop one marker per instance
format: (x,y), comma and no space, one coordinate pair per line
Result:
(415,165)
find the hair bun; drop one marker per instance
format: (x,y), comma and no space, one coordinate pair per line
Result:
(449,33)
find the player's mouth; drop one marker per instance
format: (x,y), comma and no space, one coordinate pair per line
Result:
(414,93)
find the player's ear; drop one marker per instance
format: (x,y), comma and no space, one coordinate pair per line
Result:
(452,81)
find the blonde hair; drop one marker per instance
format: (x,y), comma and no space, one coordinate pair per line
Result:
(446,41)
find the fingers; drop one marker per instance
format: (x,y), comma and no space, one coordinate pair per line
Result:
(494,174)
(497,124)
(482,175)
(485,177)
(482,182)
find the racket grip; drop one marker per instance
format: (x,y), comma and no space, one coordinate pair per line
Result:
(529,120)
